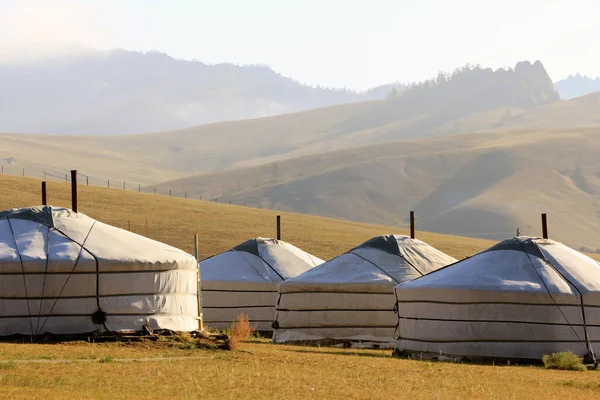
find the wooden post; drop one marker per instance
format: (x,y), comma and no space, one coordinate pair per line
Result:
(199,297)
(23,171)
(279,227)
(87,181)
(544,226)
(108,184)
(66,178)
(185,195)
(139,187)
(3,170)
(74,190)
(169,192)
(44,197)
(412,224)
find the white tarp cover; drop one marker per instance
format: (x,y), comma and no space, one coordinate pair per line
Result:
(350,298)
(245,280)
(522,298)
(58,268)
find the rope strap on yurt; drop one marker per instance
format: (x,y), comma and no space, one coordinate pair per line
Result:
(37,328)
(99,316)
(588,342)
(22,274)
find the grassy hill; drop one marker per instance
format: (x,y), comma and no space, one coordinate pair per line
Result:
(486,184)
(220,226)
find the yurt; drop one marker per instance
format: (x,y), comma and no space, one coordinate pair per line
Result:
(62,272)
(350,299)
(245,279)
(520,299)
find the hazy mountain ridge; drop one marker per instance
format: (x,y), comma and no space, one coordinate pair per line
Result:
(129,92)
(576,86)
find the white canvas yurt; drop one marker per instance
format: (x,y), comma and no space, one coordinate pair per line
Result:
(62,272)
(520,299)
(245,279)
(350,298)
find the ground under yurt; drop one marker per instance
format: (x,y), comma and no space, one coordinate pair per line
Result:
(520,299)
(245,279)
(350,299)
(63,272)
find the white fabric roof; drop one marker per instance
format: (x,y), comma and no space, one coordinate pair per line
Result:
(57,267)
(245,279)
(521,298)
(350,298)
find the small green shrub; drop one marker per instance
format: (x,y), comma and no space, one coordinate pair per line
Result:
(565,360)
(107,359)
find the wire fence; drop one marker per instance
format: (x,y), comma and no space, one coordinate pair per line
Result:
(49,173)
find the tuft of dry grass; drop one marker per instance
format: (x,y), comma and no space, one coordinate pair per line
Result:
(239,331)
(564,360)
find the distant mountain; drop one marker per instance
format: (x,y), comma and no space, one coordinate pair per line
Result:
(130,92)
(577,85)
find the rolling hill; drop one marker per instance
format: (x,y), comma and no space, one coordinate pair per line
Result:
(484,184)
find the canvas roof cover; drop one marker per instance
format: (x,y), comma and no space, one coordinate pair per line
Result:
(350,298)
(65,273)
(522,298)
(245,279)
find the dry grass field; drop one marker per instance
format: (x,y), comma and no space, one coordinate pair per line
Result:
(142,370)
(262,370)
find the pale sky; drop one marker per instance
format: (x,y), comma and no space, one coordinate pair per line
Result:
(341,43)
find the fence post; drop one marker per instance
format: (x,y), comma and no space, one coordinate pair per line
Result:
(169,192)
(412,224)
(544,226)
(108,184)
(44,197)
(279,227)
(185,195)
(74,190)
(87,181)
(66,178)
(23,171)
(139,187)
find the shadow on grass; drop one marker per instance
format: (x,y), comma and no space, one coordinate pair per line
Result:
(342,352)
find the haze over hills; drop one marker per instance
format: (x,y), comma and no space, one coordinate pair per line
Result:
(116,92)
(469,100)
(127,92)
(577,85)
